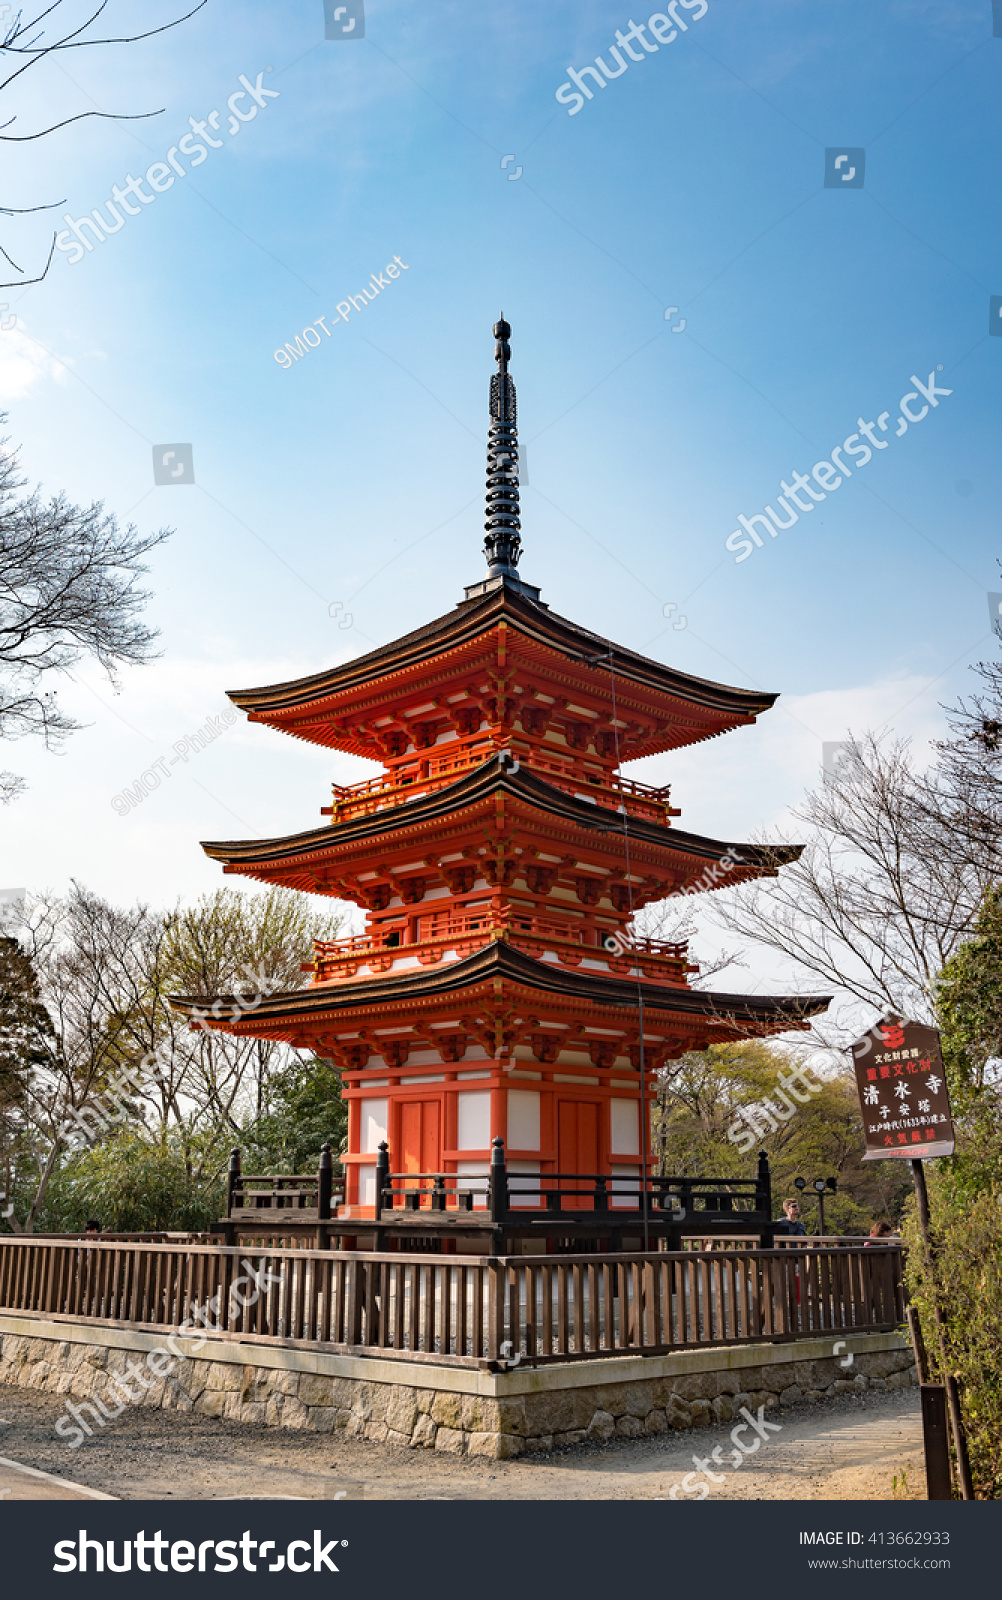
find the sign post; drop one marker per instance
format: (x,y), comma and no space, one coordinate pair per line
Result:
(906,1111)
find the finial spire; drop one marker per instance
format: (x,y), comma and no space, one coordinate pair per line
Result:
(503,543)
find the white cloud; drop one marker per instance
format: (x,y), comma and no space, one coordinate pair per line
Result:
(24,362)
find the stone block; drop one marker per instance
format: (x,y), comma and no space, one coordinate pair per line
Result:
(612,1398)
(321,1419)
(639,1399)
(723,1408)
(509,1446)
(451,1439)
(695,1386)
(701,1413)
(210,1404)
(314,1390)
(447,1411)
(602,1426)
(400,1440)
(483,1444)
(376,1432)
(219,1375)
(878,1383)
(481,1414)
(423,1436)
(511,1416)
(425,1399)
(678,1413)
(401,1410)
(629,1426)
(898,1380)
(739,1400)
(251,1412)
(342,1417)
(791,1396)
(760,1398)
(844,1386)
(559,1411)
(656,1421)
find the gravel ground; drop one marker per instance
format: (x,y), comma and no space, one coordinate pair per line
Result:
(851,1448)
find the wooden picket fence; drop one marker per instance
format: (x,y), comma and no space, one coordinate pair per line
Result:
(473,1310)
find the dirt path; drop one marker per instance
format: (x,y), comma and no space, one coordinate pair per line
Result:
(848,1449)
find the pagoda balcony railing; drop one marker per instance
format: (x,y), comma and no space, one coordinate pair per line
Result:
(658,960)
(391,789)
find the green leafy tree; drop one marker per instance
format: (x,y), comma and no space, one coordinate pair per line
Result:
(307,1111)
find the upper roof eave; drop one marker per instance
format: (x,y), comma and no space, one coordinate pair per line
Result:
(471,618)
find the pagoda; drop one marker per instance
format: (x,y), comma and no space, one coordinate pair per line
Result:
(500,989)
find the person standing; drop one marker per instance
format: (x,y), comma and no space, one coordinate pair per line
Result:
(790,1223)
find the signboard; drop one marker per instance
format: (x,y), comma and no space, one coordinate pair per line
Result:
(902,1092)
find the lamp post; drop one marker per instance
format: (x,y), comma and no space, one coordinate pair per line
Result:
(820,1187)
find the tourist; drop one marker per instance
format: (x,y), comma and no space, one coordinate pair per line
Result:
(93,1227)
(790,1222)
(880,1233)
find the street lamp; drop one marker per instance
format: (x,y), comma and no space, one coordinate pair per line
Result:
(820,1186)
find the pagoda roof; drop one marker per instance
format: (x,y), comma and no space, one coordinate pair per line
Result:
(309,850)
(322,1005)
(686,708)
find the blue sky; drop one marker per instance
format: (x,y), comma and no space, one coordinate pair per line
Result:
(695,179)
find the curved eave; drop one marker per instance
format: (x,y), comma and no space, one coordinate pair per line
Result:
(479,788)
(325,693)
(500,961)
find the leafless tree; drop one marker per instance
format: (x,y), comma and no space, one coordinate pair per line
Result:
(69,589)
(888,885)
(116,1051)
(34,40)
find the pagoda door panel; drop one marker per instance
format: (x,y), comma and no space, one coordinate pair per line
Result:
(420,1148)
(578,1144)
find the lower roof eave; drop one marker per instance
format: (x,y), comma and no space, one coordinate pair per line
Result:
(475,977)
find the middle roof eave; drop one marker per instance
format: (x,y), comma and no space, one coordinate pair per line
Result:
(477,787)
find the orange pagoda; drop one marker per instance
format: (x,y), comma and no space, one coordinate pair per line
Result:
(499,990)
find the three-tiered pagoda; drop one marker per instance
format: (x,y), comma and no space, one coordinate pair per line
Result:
(499,989)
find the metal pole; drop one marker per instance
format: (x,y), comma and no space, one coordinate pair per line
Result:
(951,1389)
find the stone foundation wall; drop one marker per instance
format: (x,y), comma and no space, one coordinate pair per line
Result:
(421,1406)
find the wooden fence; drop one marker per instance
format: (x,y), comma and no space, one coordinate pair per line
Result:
(474,1310)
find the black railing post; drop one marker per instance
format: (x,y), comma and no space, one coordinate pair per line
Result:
(438,1195)
(382,1176)
(601,1195)
(325,1184)
(498,1182)
(763,1194)
(233,1184)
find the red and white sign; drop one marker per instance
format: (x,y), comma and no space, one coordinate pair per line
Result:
(902,1092)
